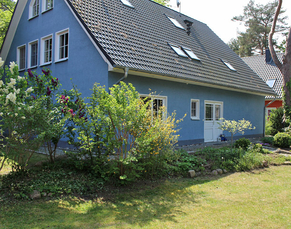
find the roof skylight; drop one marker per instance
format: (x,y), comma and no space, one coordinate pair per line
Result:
(271,82)
(127,3)
(175,22)
(229,65)
(190,53)
(178,50)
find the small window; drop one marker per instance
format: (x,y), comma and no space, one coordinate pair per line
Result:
(228,65)
(178,50)
(175,22)
(127,3)
(33,8)
(271,82)
(190,53)
(62,45)
(194,109)
(156,104)
(21,60)
(33,54)
(47,5)
(46,50)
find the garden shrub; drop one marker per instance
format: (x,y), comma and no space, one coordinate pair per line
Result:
(282,140)
(250,160)
(276,122)
(242,143)
(119,135)
(268,140)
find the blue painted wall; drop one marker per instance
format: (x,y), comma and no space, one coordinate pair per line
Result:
(85,66)
(236,105)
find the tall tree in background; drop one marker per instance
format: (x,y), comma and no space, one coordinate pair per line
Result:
(285,66)
(163,2)
(6,12)
(258,21)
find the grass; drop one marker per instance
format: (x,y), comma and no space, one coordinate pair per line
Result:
(259,199)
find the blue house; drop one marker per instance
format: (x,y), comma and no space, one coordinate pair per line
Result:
(190,69)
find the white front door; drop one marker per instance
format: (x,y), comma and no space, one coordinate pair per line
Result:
(212,114)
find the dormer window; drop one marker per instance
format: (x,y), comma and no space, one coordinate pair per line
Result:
(47,5)
(190,53)
(127,3)
(175,22)
(229,65)
(271,82)
(178,50)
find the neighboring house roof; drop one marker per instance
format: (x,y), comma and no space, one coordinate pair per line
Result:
(139,38)
(267,70)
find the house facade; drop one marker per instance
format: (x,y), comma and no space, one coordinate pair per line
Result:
(177,58)
(265,67)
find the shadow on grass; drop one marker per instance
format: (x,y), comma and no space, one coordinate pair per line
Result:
(135,208)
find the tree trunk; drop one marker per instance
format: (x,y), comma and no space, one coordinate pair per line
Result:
(284,67)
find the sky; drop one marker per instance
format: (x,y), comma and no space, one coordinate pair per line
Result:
(217,14)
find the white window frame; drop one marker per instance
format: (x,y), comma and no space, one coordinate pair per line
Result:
(228,65)
(45,5)
(18,59)
(197,102)
(154,97)
(43,50)
(271,82)
(31,9)
(57,45)
(178,50)
(175,22)
(127,3)
(190,53)
(29,54)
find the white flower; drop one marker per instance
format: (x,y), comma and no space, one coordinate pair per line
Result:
(6,90)
(1,113)
(12,66)
(11,96)
(1,82)
(16,114)
(23,117)
(17,91)
(19,108)
(29,90)
(1,62)
(12,83)
(20,78)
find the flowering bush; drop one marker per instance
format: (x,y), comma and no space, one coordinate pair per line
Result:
(119,134)
(26,113)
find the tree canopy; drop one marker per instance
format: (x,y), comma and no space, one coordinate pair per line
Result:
(163,2)
(257,19)
(6,12)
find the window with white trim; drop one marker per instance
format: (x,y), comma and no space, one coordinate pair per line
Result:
(195,109)
(62,45)
(271,82)
(47,5)
(46,50)
(156,104)
(21,54)
(190,53)
(33,54)
(33,8)
(178,50)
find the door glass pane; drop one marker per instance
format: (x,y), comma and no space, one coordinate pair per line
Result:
(209,112)
(217,112)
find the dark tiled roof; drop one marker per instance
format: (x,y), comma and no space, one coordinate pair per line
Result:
(267,70)
(139,38)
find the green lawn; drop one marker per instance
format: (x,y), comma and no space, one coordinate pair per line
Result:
(259,199)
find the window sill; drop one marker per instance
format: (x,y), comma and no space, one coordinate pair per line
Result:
(61,60)
(195,119)
(33,67)
(46,10)
(45,64)
(32,17)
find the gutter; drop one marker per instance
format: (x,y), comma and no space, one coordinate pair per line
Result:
(125,75)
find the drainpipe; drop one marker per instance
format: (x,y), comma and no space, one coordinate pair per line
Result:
(265,114)
(125,75)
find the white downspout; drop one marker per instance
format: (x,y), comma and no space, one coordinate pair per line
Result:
(125,75)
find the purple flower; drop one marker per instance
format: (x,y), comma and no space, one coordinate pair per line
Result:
(71,111)
(77,100)
(48,91)
(55,82)
(30,73)
(46,72)
(33,96)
